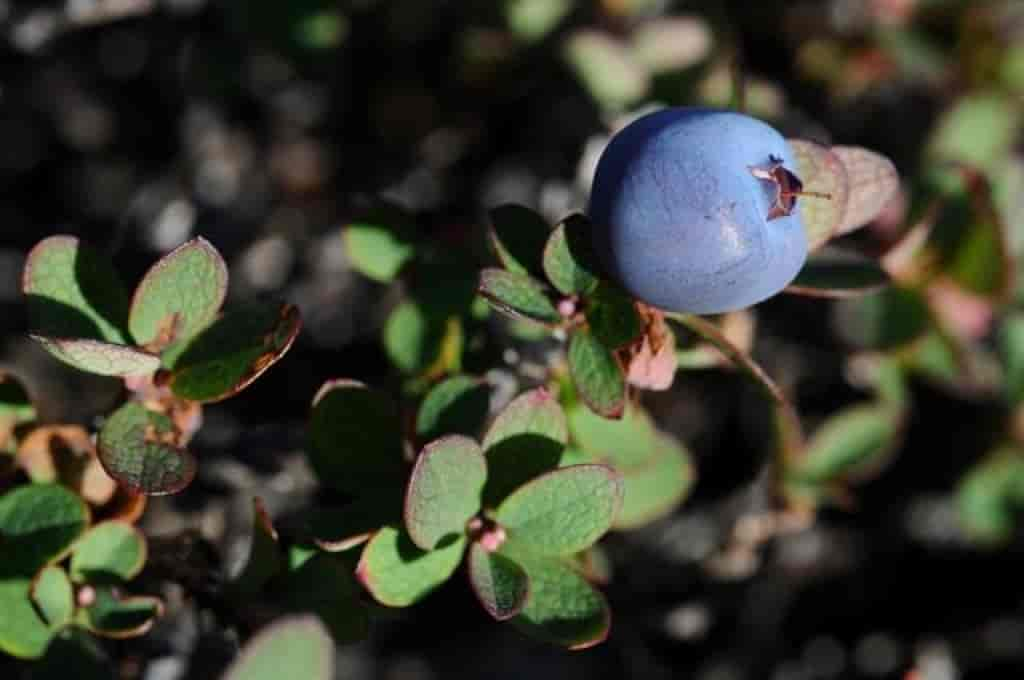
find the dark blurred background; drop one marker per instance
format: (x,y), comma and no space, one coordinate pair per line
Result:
(266,125)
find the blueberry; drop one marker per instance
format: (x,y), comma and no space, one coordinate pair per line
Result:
(682,222)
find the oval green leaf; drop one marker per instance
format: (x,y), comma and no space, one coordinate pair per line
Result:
(628,443)
(23,634)
(856,438)
(38,525)
(525,440)
(456,405)
(612,316)
(179,295)
(654,490)
(380,243)
(102,358)
(444,490)
(74,292)
(562,607)
(291,647)
(564,511)
(518,295)
(355,440)
(397,573)
(109,552)
(339,529)
(570,262)
(136,448)
(53,595)
(499,582)
(597,375)
(231,353)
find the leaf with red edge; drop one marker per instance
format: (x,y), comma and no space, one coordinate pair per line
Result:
(564,511)
(137,448)
(101,358)
(114,616)
(526,439)
(562,607)
(499,582)
(597,374)
(820,171)
(444,490)
(231,353)
(72,291)
(179,295)
(398,574)
(873,182)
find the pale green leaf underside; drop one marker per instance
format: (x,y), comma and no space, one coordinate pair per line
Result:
(102,358)
(398,574)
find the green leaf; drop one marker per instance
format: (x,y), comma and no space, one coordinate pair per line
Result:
(52,593)
(38,525)
(855,438)
(518,295)
(597,375)
(525,440)
(398,574)
(820,171)
(102,358)
(564,511)
(893,317)
(231,353)
(410,338)
(355,440)
(839,278)
(339,529)
(978,130)
(113,616)
(23,634)
(73,292)
(324,586)
(444,490)
(381,243)
(990,497)
(654,490)
(606,68)
(291,647)
(265,558)
(1011,339)
(612,316)
(969,240)
(562,607)
(179,295)
(628,443)
(109,552)
(15,402)
(136,448)
(569,258)
(456,405)
(500,584)
(518,235)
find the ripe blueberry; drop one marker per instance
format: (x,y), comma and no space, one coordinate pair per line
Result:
(693,210)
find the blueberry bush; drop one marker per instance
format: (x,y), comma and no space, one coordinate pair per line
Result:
(610,339)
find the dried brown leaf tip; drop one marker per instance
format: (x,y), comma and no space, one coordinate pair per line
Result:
(155,394)
(650,360)
(787,187)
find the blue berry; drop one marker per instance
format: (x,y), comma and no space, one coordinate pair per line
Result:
(682,222)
